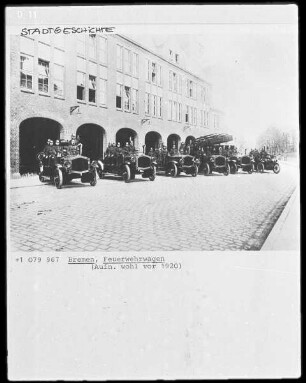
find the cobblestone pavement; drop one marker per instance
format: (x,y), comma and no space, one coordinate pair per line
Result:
(203,213)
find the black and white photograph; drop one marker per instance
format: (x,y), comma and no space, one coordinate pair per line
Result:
(156,149)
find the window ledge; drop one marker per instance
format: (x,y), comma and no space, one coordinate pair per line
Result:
(119,109)
(44,94)
(81,102)
(103,106)
(27,91)
(92,103)
(59,97)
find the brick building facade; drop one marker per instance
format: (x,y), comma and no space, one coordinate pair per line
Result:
(104,88)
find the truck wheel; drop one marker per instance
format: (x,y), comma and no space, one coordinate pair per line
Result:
(195,171)
(153,175)
(173,170)
(126,175)
(233,169)
(93,182)
(206,169)
(227,170)
(58,179)
(41,177)
(276,168)
(100,169)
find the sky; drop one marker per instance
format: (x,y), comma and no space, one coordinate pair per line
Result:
(253,69)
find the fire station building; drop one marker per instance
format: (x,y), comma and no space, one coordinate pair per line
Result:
(104,89)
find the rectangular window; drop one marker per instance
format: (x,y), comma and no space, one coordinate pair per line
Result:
(201,117)
(102,93)
(102,49)
(134,100)
(170,79)
(135,64)
(119,96)
(159,75)
(179,84)
(119,57)
(147,70)
(179,112)
(127,61)
(92,89)
(44,51)
(174,111)
(187,111)
(159,107)
(154,106)
(92,68)
(127,99)
(195,116)
(174,82)
(81,64)
(26,45)
(191,115)
(81,86)
(43,76)
(81,49)
(26,72)
(205,99)
(154,73)
(58,80)
(170,110)
(190,88)
(147,103)
(92,47)
(59,41)
(59,57)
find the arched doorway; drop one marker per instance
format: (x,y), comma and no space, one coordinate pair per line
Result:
(190,140)
(33,135)
(173,140)
(92,138)
(125,135)
(152,140)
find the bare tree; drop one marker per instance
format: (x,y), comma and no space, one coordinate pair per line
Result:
(276,141)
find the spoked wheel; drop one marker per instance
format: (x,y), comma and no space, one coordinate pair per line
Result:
(41,177)
(100,169)
(206,169)
(233,169)
(260,167)
(227,170)
(58,178)
(276,168)
(93,182)
(126,175)
(173,170)
(153,175)
(250,171)
(195,171)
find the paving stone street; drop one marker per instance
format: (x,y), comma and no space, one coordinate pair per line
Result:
(204,213)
